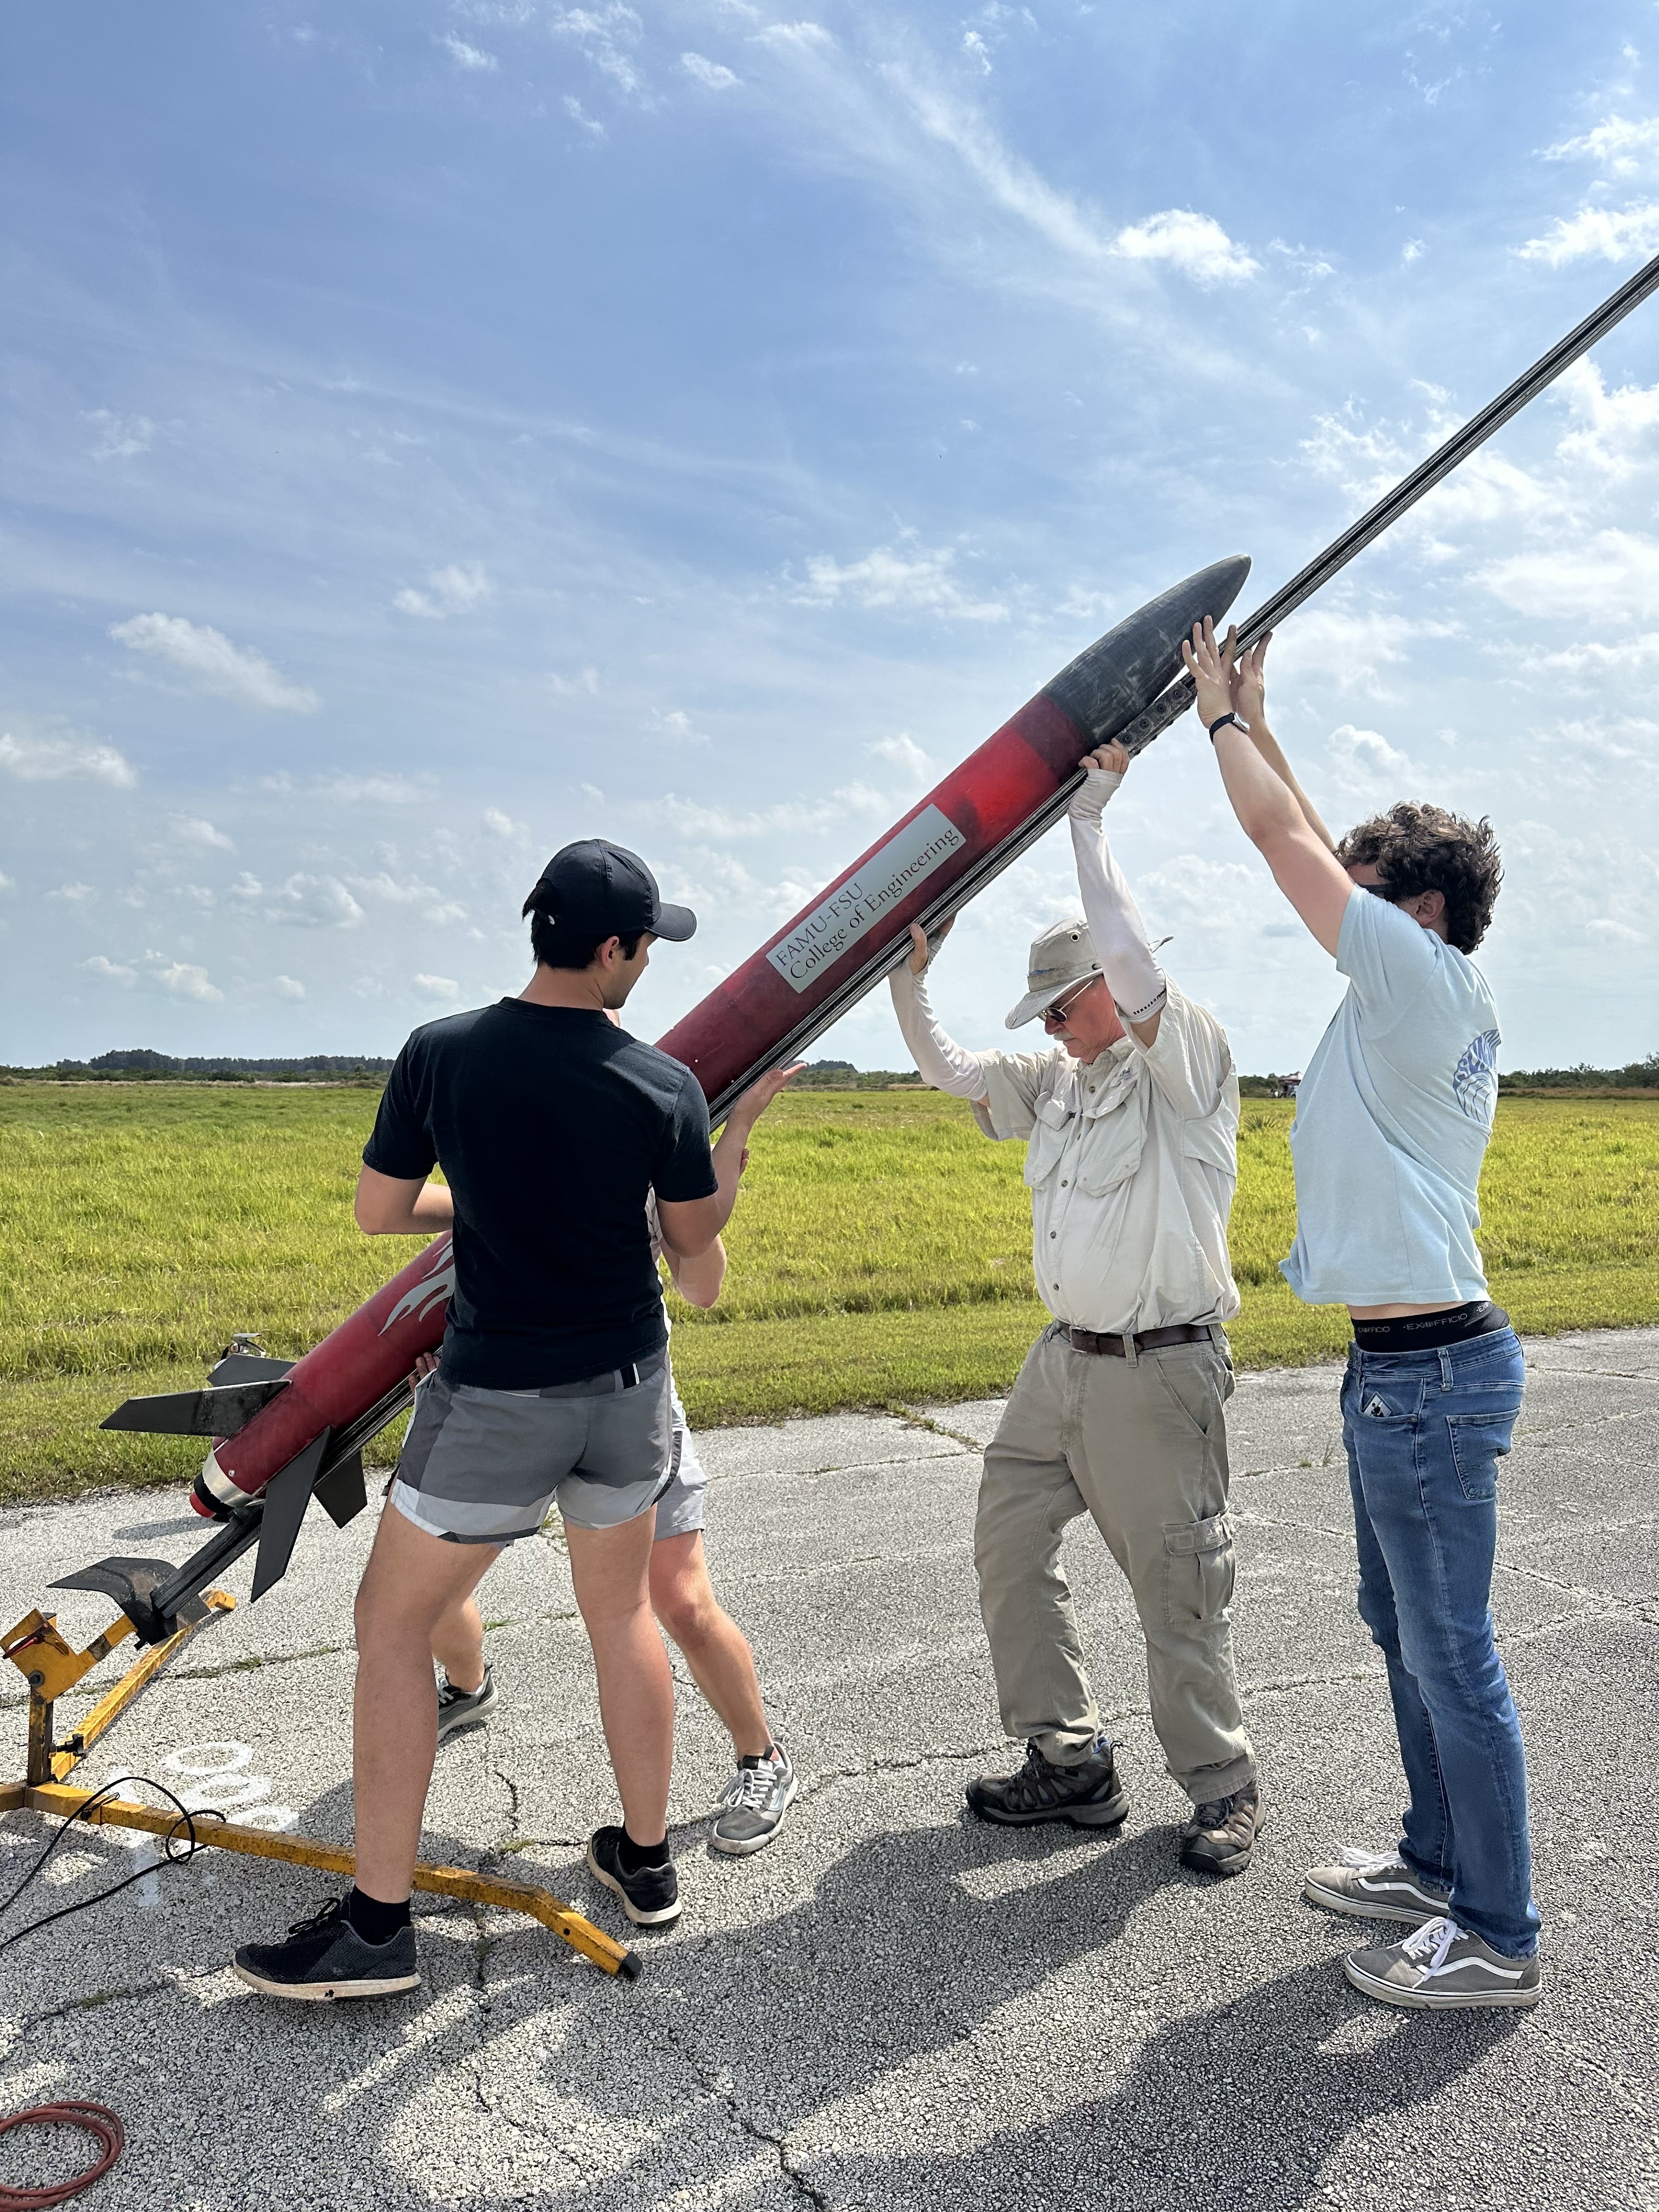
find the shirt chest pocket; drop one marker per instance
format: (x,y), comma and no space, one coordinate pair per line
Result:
(1104,1149)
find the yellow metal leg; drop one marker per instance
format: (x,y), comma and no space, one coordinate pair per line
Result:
(303,1851)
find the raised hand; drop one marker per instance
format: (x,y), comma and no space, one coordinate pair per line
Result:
(750,1104)
(1210,665)
(920,952)
(1111,758)
(1250,683)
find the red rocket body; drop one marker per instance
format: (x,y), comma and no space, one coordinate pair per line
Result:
(955,831)
(370,1354)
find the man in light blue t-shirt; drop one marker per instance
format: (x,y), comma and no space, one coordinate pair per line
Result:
(1392,1122)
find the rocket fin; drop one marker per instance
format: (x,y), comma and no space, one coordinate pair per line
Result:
(211,1412)
(249,1367)
(133,1584)
(344,1492)
(286,1497)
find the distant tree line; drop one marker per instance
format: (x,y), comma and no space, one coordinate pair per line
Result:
(143,1066)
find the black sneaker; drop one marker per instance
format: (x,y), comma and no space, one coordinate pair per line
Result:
(1220,1836)
(325,1957)
(1089,1796)
(464,1709)
(650,1898)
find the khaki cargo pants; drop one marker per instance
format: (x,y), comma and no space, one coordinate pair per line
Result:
(1141,1445)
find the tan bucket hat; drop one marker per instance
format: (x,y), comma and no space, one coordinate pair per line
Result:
(1061,957)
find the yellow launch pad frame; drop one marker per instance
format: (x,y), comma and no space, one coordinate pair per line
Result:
(51,1666)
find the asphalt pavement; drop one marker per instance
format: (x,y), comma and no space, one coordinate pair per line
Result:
(893,2005)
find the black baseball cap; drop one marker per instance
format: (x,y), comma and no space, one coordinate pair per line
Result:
(604,887)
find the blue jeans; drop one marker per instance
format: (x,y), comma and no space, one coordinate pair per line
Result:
(1425,1431)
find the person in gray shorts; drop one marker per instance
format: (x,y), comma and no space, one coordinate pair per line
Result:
(751,1807)
(551,1126)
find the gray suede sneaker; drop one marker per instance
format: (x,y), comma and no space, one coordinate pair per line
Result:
(752,1805)
(1374,1885)
(1089,1794)
(464,1709)
(1440,1965)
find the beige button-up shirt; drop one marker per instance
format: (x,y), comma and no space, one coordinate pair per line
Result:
(1132,1163)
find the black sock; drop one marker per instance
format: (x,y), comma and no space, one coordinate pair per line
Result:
(770,1752)
(636,1857)
(375,1922)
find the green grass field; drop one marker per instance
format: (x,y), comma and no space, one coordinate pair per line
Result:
(880,1254)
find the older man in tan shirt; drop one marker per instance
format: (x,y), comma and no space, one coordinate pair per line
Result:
(1131,1119)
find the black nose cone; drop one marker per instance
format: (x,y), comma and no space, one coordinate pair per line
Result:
(1105,688)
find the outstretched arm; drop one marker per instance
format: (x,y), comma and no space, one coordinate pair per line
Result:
(1269,811)
(1249,694)
(691,1227)
(1133,976)
(942,1063)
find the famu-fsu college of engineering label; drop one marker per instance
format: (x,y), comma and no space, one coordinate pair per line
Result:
(855,906)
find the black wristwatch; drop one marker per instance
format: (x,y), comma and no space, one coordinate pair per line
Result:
(1221,722)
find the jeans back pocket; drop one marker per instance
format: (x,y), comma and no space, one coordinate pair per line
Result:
(1478,1441)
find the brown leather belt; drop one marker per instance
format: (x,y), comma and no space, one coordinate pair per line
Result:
(1150,1340)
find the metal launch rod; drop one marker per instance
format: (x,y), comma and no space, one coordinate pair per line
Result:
(1170,704)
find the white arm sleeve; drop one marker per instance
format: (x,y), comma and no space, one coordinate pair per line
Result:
(1134,977)
(943,1064)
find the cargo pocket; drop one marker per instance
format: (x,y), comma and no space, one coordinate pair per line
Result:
(1198,1571)
(1478,1441)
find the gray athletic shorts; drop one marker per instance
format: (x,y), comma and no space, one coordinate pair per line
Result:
(486,1467)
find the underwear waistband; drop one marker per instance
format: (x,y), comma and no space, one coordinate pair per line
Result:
(1431,1332)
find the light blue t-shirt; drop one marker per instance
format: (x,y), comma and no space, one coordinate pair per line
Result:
(1392,1122)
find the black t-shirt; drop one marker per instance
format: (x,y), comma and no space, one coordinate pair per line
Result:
(551,1125)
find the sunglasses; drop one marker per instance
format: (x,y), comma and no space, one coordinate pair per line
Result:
(1062,1007)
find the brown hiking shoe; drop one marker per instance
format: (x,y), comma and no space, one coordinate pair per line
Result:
(1221,1835)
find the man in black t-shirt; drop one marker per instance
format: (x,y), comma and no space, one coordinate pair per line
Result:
(550,1125)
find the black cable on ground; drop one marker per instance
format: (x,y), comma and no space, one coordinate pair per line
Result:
(69,2112)
(182,1829)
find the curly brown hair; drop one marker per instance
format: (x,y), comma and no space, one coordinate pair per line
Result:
(1418,848)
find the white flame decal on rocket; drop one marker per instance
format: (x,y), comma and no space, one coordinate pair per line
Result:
(420,1298)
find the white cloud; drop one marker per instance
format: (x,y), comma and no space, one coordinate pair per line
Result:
(1614,426)
(1194,244)
(792,817)
(1613,931)
(433,905)
(213,663)
(976,50)
(1615,234)
(180,979)
(371,790)
(465,57)
(1350,650)
(713,75)
(191,830)
(801,36)
(308,901)
(441,989)
(119,436)
(77,894)
(914,580)
(677,725)
(7,883)
(1620,145)
(578,113)
(453,590)
(604,34)
(1614,573)
(584,685)
(288,986)
(50,759)
(1361,757)
(183,980)
(494,824)
(1412,251)
(905,754)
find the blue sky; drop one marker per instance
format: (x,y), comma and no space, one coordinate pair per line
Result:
(439,431)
